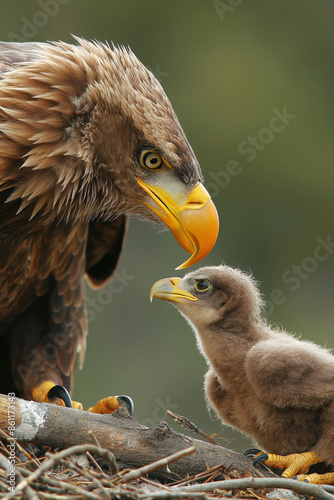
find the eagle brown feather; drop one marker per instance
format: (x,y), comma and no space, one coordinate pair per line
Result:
(73,119)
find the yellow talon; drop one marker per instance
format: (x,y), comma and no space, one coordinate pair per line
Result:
(106,405)
(41,394)
(297,463)
(317,478)
(76,405)
(301,463)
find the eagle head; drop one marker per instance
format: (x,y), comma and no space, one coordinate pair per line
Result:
(100,139)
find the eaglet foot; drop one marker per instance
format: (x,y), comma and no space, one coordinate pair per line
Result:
(296,466)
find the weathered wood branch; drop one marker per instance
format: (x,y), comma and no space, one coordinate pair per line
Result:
(303,488)
(133,445)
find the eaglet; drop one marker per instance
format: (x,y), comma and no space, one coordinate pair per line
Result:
(87,138)
(271,386)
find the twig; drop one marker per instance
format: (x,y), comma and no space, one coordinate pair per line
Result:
(53,496)
(94,438)
(209,472)
(172,496)
(190,426)
(92,459)
(57,457)
(153,483)
(147,469)
(52,482)
(314,490)
(10,438)
(85,474)
(31,495)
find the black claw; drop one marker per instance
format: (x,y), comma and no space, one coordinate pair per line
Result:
(251,452)
(296,477)
(127,402)
(58,391)
(260,458)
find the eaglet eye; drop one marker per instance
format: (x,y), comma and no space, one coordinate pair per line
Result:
(202,285)
(151,159)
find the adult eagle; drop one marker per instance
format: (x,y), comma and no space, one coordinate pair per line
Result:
(87,138)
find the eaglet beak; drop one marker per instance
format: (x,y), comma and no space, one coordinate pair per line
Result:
(194,223)
(167,289)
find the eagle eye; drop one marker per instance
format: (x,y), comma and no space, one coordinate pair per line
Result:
(202,285)
(151,159)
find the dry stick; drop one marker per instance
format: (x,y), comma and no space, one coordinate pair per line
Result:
(66,486)
(31,495)
(94,438)
(172,496)
(45,488)
(190,426)
(113,464)
(147,469)
(92,459)
(85,474)
(314,490)
(157,485)
(96,441)
(201,475)
(22,450)
(57,484)
(53,496)
(57,457)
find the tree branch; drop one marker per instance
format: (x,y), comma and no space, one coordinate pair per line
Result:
(132,444)
(314,490)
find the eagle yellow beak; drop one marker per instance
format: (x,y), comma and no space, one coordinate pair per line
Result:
(194,223)
(167,289)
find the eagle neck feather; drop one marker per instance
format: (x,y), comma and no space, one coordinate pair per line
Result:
(44,158)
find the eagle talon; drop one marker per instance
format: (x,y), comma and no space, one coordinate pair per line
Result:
(251,452)
(112,403)
(260,459)
(59,392)
(315,478)
(127,402)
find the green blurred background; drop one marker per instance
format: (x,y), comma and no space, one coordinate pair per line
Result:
(229,68)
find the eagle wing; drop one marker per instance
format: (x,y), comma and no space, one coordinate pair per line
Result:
(104,245)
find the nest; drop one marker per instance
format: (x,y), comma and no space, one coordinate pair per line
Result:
(88,471)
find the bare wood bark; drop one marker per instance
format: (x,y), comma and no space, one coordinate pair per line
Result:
(133,445)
